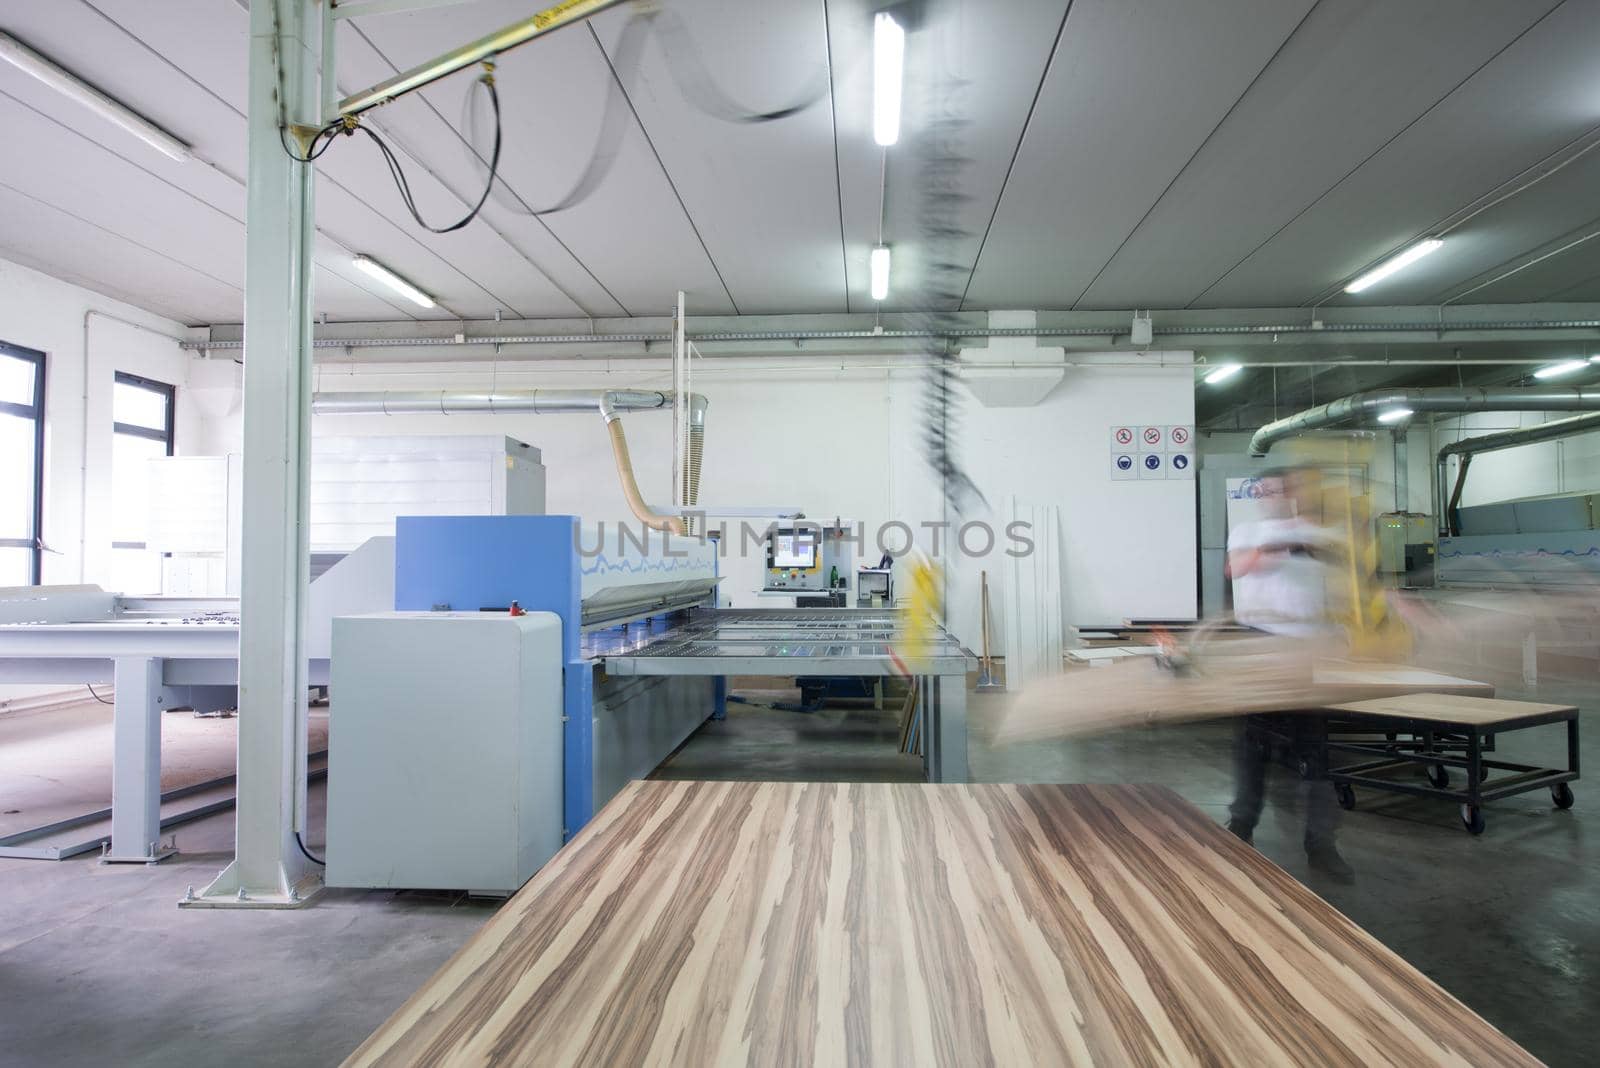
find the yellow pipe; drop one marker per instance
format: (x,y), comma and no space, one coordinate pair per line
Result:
(630,485)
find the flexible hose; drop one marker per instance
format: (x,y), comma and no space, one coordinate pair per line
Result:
(630,485)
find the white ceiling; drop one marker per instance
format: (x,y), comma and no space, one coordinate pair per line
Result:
(1116,154)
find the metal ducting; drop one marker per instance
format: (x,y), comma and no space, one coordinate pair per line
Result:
(1360,407)
(1466,448)
(609,403)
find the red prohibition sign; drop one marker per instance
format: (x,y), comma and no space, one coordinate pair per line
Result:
(1124,435)
(1180,435)
(1152,436)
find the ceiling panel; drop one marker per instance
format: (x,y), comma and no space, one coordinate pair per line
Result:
(1532,223)
(1134,91)
(45,237)
(1351,77)
(1536,96)
(763,195)
(632,233)
(977,64)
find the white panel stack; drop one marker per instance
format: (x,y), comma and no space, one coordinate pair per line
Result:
(444,750)
(359,485)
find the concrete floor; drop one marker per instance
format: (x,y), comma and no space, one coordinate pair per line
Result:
(98,965)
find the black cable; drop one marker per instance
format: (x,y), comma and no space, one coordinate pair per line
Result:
(301,843)
(399,175)
(96,696)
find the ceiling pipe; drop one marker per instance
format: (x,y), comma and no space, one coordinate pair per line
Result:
(1201,330)
(1467,448)
(1366,406)
(608,403)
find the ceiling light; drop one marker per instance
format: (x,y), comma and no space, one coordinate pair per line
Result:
(1394,415)
(393,281)
(1393,264)
(880,272)
(1594,359)
(888,65)
(71,86)
(1565,367)
(1222,374)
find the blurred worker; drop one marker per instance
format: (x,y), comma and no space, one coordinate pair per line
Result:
(1285,569)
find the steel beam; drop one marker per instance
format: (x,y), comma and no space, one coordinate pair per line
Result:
(268,869)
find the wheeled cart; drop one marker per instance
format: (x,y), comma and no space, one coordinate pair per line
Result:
(1437,732)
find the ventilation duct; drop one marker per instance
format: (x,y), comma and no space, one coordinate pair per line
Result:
(1467,448)
(1364,407)
(608,403)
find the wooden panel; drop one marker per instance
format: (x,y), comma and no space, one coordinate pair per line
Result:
(719,923)
(1452,708)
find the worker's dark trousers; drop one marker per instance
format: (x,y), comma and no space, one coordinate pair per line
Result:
(1251,754)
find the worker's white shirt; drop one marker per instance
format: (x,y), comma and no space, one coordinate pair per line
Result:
(1285,590)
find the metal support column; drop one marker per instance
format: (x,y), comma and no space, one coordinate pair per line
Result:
(136,764)
(268,869)
(947,732)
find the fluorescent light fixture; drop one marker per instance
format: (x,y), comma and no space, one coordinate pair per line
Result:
(1222,374)
(880,272)
(1393,264)
(1565,367)
(888,67)
(1594,359)
(393,281)
(1394,415)
(75,88)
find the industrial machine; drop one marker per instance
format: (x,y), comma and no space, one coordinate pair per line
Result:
(874,587)
(1549,542)
(643,654)
(1406,548)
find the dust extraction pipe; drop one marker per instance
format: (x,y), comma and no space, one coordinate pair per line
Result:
(609,403)
(1466,448)
(1364,406)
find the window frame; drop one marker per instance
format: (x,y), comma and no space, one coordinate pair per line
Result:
(35,544)
(169,394)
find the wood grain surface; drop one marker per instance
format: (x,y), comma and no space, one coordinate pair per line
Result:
(701,923)
(1454,709)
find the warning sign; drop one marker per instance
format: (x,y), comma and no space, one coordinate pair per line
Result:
(1122,466)
(1152,465)
(1152,452)
(1121,436)
(1152,437)
(1178,435)
(1180,465)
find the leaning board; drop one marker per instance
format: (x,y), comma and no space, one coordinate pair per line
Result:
(705,923)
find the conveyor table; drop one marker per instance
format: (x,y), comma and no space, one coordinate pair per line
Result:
(707,923)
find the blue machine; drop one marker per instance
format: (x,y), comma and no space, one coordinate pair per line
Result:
(612,591)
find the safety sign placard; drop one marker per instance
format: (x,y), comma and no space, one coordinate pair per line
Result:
(1144,451)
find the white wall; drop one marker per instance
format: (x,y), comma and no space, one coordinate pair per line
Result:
(1568,465)
(849,445)
(43,313)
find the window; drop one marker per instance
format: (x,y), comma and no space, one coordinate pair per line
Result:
(141,413)
(22,469)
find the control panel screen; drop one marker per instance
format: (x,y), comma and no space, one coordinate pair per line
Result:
(797,552)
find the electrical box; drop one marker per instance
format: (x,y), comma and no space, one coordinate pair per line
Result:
(810,559)
(445,753)
(1406,543)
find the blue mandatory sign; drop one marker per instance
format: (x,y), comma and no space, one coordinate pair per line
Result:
(1180,461)
(1124,463)
(1152,462)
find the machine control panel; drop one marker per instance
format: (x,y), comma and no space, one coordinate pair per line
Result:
(806,558)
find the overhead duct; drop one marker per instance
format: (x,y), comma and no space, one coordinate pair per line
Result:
(1467,448)
(1362,407)
(609,403)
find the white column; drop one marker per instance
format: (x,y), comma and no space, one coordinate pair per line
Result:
(268,868)
(136,763)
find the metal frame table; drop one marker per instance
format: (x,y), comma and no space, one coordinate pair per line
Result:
(802,642)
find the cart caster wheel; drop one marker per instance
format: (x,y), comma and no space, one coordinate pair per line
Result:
(1561,794)
(1439,776)
(1347,796)
(1472,819)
